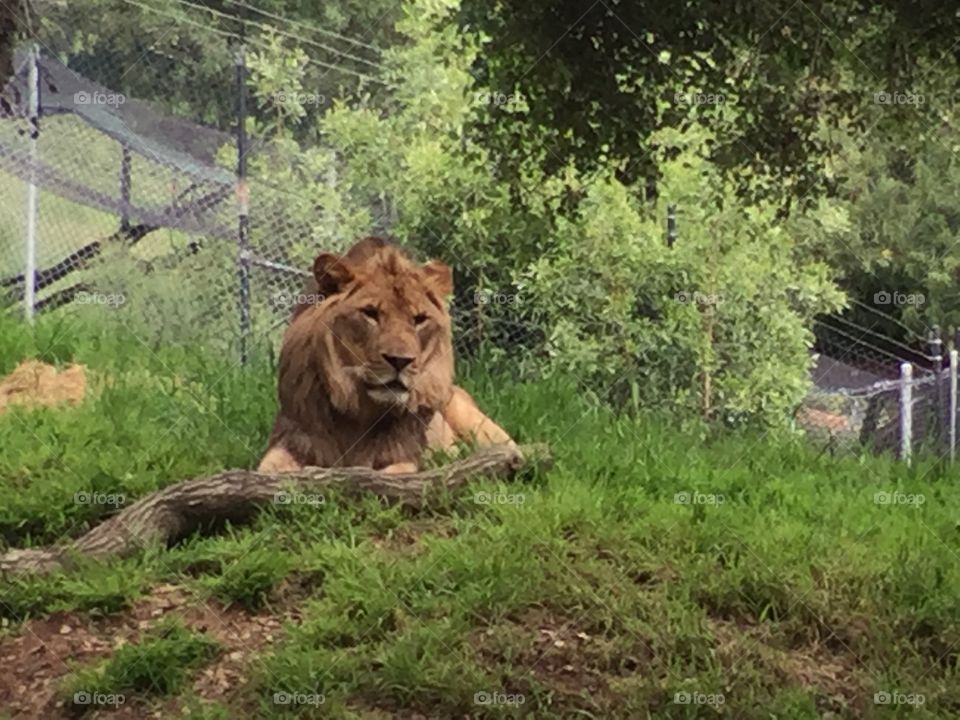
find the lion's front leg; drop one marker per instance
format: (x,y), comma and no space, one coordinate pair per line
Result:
(467,422)
(399,468)
(440,436)
(278,460)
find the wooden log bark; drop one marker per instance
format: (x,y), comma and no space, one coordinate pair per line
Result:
(176,511)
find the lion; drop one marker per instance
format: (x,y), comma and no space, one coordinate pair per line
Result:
(366,368)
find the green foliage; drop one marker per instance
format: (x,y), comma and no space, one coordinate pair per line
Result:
(580,256)
(891,235)
(179,57)
(186,411)
(595,77)
(97,588)
(159,664)
(247,579)
(717,324)
(653,558)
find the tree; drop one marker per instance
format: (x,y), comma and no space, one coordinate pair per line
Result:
(12,19)
(593,78)
(180,55)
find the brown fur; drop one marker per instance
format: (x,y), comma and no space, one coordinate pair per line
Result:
(336,361)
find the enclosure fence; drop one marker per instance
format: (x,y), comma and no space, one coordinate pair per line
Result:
(110,203)
(88,174)
(882,395)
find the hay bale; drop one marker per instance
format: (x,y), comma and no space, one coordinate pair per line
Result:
(37,384)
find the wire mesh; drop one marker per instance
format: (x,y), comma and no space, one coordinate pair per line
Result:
(139,215)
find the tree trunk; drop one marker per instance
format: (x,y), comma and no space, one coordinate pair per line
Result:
(235,495)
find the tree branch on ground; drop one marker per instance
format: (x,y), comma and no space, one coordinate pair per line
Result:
(170,514)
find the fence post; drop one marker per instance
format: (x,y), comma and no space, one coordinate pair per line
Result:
(936,359)
(906,411)
(30,274)
(671,225)
(243,204)
(953,403)
(125,165)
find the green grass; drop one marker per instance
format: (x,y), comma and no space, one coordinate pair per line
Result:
(159,664)
(656,561)
(92,159)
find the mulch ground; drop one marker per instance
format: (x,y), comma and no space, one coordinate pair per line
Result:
(41,652)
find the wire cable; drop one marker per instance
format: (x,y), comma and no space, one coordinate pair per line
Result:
(871,331)
(885,316)
(264,27)
(860,342)
(306,26)
(249,41)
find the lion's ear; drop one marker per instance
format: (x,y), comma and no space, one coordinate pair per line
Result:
(332,272)
(440,277)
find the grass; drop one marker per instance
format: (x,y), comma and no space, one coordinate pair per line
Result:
(659,570)
(159,665)
(91,159)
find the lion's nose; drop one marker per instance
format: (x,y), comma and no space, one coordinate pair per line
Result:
(398,362)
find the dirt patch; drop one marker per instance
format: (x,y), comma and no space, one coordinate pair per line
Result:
(813,666)
(34,383)
(37,658)
(554,651)
(408,539)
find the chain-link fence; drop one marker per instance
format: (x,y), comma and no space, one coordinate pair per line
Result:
(112,203)
(873,393)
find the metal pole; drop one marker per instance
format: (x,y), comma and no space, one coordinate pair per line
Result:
(30,276)
(125,164)
(243,203)
(953,404)
(936,357)
(671,225)
(906,411)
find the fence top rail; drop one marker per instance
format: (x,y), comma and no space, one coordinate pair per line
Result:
(882,386)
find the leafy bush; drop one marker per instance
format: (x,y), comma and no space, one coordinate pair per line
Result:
(891,235)
(579,257)
(717,324)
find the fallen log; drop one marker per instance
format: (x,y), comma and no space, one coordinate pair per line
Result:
(170,514)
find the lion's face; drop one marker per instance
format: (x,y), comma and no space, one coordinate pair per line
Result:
(382,331)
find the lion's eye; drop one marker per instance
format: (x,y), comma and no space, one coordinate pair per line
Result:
(420,319)
(371,312)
